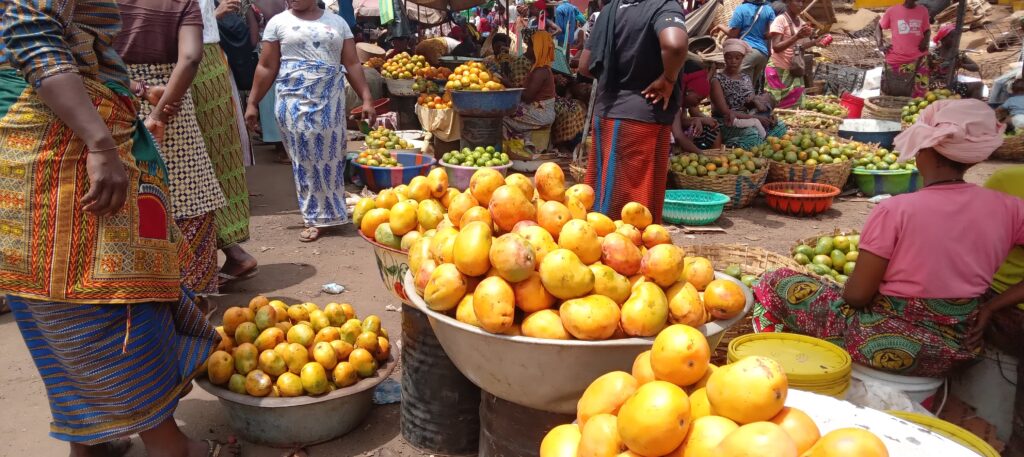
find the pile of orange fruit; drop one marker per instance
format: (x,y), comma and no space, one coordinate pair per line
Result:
(270,349)
(431,101)
(675,403)
(374,62)
(473,76)
(437,73)
(404,66)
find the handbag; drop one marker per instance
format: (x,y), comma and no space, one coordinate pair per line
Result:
(797,65)
(240,51)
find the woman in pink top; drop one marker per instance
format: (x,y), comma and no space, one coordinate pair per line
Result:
(906,56)
(787,33)
(925,259)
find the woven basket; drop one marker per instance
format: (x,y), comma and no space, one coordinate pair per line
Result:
(578,172)
(834,174)
(811,241)
(1012,149)
(813,120)
(741,190)
(885,108)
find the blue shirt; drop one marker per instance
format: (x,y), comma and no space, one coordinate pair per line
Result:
(743,19)
(567,16)
(1014,104)
(347,12)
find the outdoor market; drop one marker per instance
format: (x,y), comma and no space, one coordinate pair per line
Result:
(603,228)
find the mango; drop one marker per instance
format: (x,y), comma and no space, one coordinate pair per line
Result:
(296,356)
(541,241)
(464,312)
(764,389)
(445,288)
(724,299)
(269,338)
(699,404)
(680,355)
(594,317)
(631,233)
(372,219)
(580,238)
(545,323)
(561,441)
(684,305)
(654,235)
(319,320)
(385,236)
(342,349)
(698,271)
(550,182)
(247,332)
(494,304)
(552,216)
(483,183)
(605,395)
(369,341)
(602,224)
(422,275)
(220,367)
(383,349)
(403,217)
(704,436)
(508,206)
(769,440)
(583,193)
(848,442)
(610,283)
(472,249)
(459,205)
(246,358)
(302,334)
(237,384)
(565,276)
(645,313)
(351,330)
(386,199)
(362,207)
(446,200)
(227,343)
(258,384)
(476,214)
(654,421)
(662,264)
(442,245)
(314,378)
(642,370)
(619,253)
(576,208)
(364,362)
(325,355)
(799,426)
(419,188)
(437,181)
(429,213)
(522,182)
(272,363)
(636,215)
(289,385)
(512,256)
(600,437)
(298,313)
(531,296)
(344,374)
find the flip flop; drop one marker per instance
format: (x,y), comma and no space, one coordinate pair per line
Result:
(224,279)
(310,234)
(217,447)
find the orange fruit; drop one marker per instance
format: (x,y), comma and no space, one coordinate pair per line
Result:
(848,442)
(799,426)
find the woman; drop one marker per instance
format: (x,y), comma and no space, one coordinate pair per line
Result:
(512,69)
(162,43)
(636,100)
(310,52)
(914,295)
(692,130)
(905,57)
(941,60)
(537,106)
(751,22)
(570,113)
(785,34)
(745,118)
(66,112)
(219,115)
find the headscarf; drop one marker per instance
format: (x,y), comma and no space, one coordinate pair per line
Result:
(736,45)
(966,131)
(543,49)
(697,81)
(946,29)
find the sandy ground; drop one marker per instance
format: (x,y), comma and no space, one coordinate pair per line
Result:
(295,271)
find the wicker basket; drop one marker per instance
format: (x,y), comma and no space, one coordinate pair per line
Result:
(578,172)
(741,190)
(1012,149)
(885,108)
(813,120)
(834,174)
(813,241)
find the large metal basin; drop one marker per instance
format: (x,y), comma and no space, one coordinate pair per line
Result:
(549,375)
(299,421)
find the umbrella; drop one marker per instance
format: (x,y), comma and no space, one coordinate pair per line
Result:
(453,5)
(371,8)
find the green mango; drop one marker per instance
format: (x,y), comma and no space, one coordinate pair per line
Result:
(838,259)
(848,268)
(805,250)
(822,259)
(841,243)
(825,246)
(802,259)
(819,270)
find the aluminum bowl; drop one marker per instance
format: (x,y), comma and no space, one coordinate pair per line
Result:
(549,375)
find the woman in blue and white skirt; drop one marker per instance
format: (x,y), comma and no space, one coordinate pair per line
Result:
(309,52)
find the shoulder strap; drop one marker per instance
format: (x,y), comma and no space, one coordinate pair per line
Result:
(753,22)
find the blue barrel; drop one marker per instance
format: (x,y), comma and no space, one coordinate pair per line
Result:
(440,407)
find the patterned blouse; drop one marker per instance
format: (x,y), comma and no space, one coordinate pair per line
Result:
(737,91)
(43,38)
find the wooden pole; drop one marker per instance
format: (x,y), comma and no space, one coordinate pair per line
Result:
(961,10)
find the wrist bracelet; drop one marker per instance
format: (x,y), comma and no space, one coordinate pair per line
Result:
(103,150)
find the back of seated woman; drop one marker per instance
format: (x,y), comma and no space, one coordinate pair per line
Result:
(926,258)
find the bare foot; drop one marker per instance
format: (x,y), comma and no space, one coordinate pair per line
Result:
(116,448)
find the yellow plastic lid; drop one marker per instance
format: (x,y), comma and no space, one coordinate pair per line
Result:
(806,360)
(949,430)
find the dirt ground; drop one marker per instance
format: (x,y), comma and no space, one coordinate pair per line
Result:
(295,271)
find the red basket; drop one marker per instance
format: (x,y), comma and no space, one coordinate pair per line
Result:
(799,198)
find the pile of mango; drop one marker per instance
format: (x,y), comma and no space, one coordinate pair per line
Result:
(910,113)
(810,148)
(399,216)
(825,104)
(883,159)
(675,403)
(521,257)
(737,162)
(270,349)
(834,256)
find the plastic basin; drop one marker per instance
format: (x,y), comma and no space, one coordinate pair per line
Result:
(392,265)
(495,103)
(799,198)
(412,165)
(459,176)
(549,375)
(400,87)
(693,207)
(299,421)
(892,182)
(870,131)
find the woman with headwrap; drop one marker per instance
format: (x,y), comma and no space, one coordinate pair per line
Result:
(692,130)
(511,68)
(537,106)
(944,56)
(925,262)
(636,52)
(746,119)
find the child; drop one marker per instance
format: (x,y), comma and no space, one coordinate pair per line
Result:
(1012,110)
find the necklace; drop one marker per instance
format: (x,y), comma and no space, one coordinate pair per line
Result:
(946,181)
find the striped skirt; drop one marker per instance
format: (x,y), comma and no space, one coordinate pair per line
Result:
(216,115)
(628,162)
(112,371)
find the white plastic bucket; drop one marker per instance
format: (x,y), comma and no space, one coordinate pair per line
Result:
(987,385)
(918,389)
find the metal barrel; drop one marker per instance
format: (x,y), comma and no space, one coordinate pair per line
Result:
(481,131)
(511,430)
(440,407)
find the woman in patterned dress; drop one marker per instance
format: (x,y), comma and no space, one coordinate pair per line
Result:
(310,52)
(745,119)
(925,261)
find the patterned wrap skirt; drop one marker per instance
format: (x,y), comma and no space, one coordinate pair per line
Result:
(905,336)
(217,118)
(311,114)
(786,88)
(199,263)
(517,128)
(747,137)
(628,162)
(112,371)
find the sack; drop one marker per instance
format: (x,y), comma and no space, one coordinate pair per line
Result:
(240,51)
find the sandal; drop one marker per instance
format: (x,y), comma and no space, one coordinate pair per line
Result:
(217,448)
(310,234)
(224,279)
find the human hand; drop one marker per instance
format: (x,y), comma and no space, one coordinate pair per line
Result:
(805,31)
(156,128)
(976,335)
(885,48)
(767,122)
(227,6)
(696,128)
(730,118)
(252,118)
(155,93)
(108,182)
(369,113)
(660,91)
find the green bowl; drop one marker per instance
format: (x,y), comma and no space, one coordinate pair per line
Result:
(693,207)
(892,182)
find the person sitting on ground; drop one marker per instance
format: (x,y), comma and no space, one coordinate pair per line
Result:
(914,295)
(1012,110)
(537,106)
(570,114)
(512,69)
(746,119)
(399,44)
(692,130)
(941,60)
